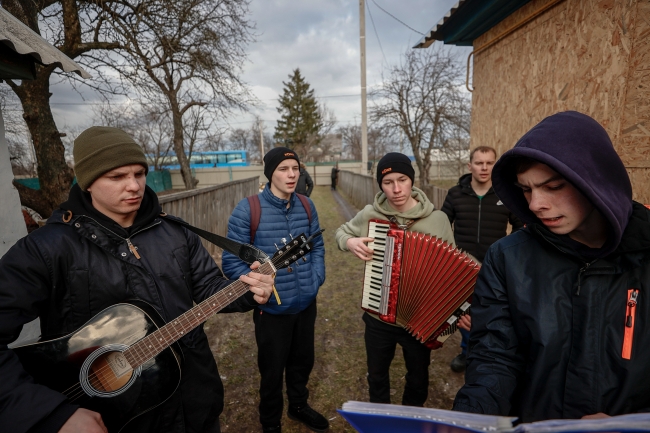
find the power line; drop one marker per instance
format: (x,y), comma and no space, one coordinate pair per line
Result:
(376,34)
(12,103)
(396,19)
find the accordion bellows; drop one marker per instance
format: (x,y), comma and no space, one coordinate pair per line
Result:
(417,281)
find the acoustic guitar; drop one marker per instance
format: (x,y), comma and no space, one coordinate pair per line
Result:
(125,361)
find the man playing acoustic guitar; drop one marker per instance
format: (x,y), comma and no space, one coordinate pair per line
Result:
(108,244)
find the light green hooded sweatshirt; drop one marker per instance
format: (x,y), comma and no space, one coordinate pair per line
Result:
(427,220)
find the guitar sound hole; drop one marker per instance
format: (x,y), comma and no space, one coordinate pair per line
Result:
(109,372)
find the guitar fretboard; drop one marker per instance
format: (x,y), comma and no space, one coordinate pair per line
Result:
(154,343)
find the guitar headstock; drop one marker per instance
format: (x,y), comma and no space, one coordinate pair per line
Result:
(293,251)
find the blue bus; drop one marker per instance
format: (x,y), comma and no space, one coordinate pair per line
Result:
(210,159)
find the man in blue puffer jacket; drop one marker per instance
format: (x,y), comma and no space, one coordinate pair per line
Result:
(284,332)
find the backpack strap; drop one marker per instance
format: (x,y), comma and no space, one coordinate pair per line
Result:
(256,214)
(305,204)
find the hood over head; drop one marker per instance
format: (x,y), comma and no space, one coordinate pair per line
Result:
(422,209)
(578,148)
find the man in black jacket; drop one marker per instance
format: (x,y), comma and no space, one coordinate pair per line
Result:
(305,185)
(479,220)
(108,244)
(560,308)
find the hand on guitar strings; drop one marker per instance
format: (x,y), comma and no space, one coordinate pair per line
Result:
(84,421)
(260,284)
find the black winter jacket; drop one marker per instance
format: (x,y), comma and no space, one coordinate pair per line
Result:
(305,185)
(478,223)
(551,316)
(67,272)
(548,328)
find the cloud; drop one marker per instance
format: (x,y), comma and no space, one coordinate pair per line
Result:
(319,37)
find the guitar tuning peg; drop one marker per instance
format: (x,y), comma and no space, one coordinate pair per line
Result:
(284,240)
(290,269)
(291,236)
(276,246)
(304,259)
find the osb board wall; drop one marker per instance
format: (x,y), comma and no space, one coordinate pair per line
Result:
(592,56)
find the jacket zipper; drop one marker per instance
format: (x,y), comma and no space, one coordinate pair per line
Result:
(478,232)
(582,270)
(132,248)
(630,315)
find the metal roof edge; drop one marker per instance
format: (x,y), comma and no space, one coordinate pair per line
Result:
(23,40)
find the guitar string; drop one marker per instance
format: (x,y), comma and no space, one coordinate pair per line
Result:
(76,391)
(187,321)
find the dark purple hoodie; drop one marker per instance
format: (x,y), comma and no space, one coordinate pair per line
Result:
(578,148)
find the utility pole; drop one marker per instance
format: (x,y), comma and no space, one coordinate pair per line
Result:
(259,123)
(364,110)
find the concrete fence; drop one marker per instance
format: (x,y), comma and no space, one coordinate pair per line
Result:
(209,208)
(320,174)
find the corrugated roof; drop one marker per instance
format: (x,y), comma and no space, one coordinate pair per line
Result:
(24,40)
(468,20)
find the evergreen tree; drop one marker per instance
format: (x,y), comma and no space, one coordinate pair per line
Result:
(301,119)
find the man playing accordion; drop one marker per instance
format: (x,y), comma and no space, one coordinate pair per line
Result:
(560,311)
(405,205)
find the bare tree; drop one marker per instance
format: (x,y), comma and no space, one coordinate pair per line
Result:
(20,147)
(381,140)
(190,52)
(214,141)
(318,147)
(422,96)
(73,27)
(259,134)
(150,127)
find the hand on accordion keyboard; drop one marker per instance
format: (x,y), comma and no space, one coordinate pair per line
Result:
(465,322)
(359,248)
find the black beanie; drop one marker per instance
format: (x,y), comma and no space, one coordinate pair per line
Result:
(395,162)
(274,157)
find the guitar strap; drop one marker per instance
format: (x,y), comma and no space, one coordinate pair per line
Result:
(246,253)
(256,211)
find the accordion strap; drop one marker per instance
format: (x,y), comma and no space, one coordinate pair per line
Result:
(406,226)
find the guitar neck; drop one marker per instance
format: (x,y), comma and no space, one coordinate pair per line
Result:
(151,345)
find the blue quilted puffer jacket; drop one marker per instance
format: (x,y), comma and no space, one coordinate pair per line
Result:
(299,288)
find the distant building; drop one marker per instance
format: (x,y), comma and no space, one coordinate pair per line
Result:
(330,148)
(533,58)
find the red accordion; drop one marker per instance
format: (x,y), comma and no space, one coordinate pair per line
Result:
(417,281)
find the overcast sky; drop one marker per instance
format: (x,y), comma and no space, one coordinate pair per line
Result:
(321,37)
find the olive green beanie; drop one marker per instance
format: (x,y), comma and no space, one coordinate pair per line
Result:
(102,148)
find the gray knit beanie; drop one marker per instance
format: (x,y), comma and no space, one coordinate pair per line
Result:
(102,148)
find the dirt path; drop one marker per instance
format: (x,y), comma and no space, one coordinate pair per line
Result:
(339,374)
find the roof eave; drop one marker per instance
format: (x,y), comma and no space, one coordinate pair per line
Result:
(23,40)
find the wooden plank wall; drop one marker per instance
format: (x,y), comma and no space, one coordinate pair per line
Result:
(436,195)
(320,174)
(209,208)
(592,56)
(360,188)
